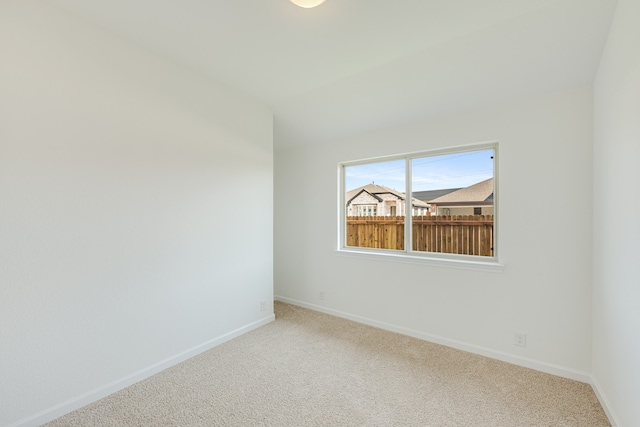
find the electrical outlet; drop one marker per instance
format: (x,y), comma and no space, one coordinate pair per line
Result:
(520,339)
(321,295)
(263,305)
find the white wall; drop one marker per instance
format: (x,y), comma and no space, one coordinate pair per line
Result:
(616,296)
(128,232)
(545,238)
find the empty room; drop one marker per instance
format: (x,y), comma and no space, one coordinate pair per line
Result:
(308,212)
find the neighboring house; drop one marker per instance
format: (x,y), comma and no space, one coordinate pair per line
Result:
(474,200)
(377,200)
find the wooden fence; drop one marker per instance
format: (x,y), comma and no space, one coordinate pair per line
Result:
(452,234)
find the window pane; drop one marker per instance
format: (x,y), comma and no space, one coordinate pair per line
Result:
(375,205)
(459,191)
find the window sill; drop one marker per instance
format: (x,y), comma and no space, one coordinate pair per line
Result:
(460,264)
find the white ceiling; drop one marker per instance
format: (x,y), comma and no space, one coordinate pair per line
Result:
(350,66)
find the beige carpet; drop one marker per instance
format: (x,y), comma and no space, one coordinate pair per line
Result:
(311,369)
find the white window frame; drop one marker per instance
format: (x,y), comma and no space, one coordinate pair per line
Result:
(407,255)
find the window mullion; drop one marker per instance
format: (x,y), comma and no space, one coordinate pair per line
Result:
(408,218)
(342,212)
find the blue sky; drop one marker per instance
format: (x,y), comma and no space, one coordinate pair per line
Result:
(429,173)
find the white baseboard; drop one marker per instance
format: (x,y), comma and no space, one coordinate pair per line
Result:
(78,402)
(604,402)
(548,368)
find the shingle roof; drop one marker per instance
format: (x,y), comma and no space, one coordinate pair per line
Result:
(480,192)
(426,196)
(375,190)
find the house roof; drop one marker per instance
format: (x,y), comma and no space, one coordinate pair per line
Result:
(376,191)
(477,193)
(432,194)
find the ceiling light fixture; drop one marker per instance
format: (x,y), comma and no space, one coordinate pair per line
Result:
(307,4)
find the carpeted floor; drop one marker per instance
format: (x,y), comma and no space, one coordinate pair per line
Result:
(311,369)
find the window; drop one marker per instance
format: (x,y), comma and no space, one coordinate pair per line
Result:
(367,210)
(438,204)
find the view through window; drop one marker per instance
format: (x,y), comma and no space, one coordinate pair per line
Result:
(449,197)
